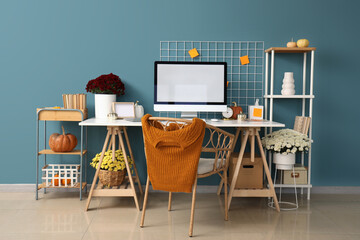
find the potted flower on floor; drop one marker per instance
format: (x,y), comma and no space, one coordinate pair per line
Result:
(112,173)
(284,144)
(105,87)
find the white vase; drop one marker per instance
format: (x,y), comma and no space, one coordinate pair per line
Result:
(103,103)
(288,87)
(284,162)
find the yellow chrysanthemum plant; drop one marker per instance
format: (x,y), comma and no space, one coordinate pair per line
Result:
(108,163)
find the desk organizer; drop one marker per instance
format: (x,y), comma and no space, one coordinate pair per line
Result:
(60,176)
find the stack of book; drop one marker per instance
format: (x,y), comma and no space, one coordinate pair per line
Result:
(74,101)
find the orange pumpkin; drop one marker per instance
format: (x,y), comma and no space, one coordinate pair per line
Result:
(62,142)
(56,181)
(63,182)
(236,110)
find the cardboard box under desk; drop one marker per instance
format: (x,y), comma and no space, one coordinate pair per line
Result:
(250,174)
(300,175)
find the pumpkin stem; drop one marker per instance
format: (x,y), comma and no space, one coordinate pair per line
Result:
(235,105)
(63,129)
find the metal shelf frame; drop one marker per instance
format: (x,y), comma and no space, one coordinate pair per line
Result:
(269,98)
(81,152)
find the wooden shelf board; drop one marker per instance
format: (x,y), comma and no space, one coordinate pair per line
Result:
(73,152)
(77,185)
(290,50)
(264,192)
(123,190)
(51,114)
(292,185)
(289,96)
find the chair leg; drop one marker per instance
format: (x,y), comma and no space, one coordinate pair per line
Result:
(226,196)
(170,197)
(145,201)
(192,209)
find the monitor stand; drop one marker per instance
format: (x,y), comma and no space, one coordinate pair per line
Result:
(190,115)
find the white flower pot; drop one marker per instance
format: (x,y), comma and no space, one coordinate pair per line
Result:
(103,104)
(284,162)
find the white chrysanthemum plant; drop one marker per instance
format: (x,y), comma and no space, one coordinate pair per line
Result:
(286,141)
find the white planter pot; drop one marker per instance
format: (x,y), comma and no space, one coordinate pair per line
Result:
(103,104)
(284,162)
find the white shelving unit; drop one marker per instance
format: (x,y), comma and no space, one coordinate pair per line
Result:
(307,97)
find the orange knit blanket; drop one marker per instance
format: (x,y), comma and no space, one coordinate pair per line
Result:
(172,156)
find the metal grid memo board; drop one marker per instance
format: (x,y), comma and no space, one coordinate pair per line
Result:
(245,81)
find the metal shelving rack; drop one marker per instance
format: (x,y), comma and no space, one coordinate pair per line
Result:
(307,97)
(51,114)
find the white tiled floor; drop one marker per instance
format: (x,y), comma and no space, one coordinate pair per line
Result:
(60,215)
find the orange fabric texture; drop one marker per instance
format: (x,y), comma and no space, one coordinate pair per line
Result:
(172,156)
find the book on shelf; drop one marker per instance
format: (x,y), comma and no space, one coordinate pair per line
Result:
(74,101)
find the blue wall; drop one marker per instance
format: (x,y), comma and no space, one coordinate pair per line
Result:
(53,47)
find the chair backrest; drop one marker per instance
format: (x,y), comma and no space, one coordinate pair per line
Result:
(302,124)
(217,143)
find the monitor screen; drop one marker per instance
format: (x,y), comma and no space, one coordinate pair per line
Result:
(190,86)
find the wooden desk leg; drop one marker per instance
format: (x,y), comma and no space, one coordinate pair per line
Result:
(132,157)
(237,168)
(252,145)
(232,150)
(110,130)
(128,169)
(268,175)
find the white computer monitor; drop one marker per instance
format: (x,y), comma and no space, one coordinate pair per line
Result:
(190,87)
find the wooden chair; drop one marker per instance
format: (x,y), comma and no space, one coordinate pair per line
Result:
(217,143)
(302,124)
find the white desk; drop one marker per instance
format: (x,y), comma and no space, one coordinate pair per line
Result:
(221,123)
(250,131)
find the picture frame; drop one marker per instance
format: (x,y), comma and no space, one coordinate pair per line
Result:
(124,109)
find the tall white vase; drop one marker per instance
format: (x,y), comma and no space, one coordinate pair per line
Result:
(103,104)
(288,87)
(284,162)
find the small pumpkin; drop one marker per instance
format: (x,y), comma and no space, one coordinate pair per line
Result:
(62,142)
(291,44)
(236,110)
(63,182)
(303,43)
(56,181)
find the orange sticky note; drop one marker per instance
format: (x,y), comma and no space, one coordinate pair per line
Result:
(193,53)
(227,83)
(244,60)
(257,112)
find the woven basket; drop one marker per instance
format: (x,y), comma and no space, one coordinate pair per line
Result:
(111,178)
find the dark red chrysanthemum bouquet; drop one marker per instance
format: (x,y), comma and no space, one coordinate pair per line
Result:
(106,84)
